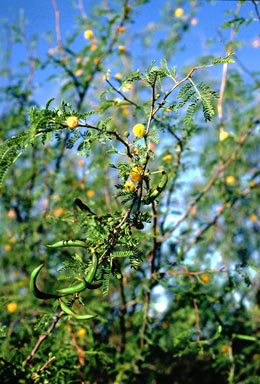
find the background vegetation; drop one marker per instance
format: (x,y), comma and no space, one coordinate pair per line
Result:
(177,290)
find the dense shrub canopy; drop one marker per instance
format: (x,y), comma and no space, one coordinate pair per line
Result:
(129,172)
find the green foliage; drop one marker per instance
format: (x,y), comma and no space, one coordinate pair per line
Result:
(123,221)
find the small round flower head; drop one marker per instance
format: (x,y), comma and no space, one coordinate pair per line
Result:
(11,307)
(8,247)
(205,279)
(88,34)
(118,76)
(230,180)
(167,157)
(72,122)
(81,332)
(136,173)
(93,47)
(179,12)
(139,130)
(253,217)
(194,21)
(121,48)
(79,72)
(129,186)
(121,29)
(90,193)
(223,135)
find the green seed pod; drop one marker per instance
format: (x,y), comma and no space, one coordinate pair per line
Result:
(83,284)
(118,276)
(69,243)
(69,312)
(150,197)
(34,289)
(126,133)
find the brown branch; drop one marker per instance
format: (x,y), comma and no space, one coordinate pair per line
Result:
(256,9)
(80,351)
(82,9)
(43,337)
(214,220)
(35,375)
(58,33)
(122,94)
(188,273)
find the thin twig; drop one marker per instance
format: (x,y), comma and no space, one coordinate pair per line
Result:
(43,337)
(212,181)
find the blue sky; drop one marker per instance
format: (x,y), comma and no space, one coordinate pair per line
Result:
(41,18)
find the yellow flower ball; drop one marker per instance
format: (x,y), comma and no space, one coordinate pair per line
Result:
(253,217)
(11,307)
(230,180)
(13,240)
(127,87)
(179,12)
(167,157)
(194,21)
(129,186)
(136,173)
(224,348)
(78,59)
(81,163)
(72,122)
(8,247)
(121,48)
(81,332)
(165,325)
(93,47)
(90,193)
(223,135)
(79,72)
(139,130)
(11,214)
(205,279)
(118,76)
(88,34)
(57,212)
(121,29)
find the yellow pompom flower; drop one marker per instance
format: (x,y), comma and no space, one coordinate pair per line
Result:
(167,157)
(88,34)
(121,29)
(72,122)
(93,47)
(139,130)
(81,162)
(224,348)
(253,217)
(11,307)
(230,180)
(81,332)
(194,21)
(136,173)
(223,135)
(129,186)
(179,12)
(79,72)
(8,247)
(90,193)
(205,279)
(118,76)
(121,48)
(57,212)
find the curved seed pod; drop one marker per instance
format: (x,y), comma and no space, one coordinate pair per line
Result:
(94,285)
(83,284)
(150,197)
(34,289)
(68,243)
(74,289)
(69,312)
